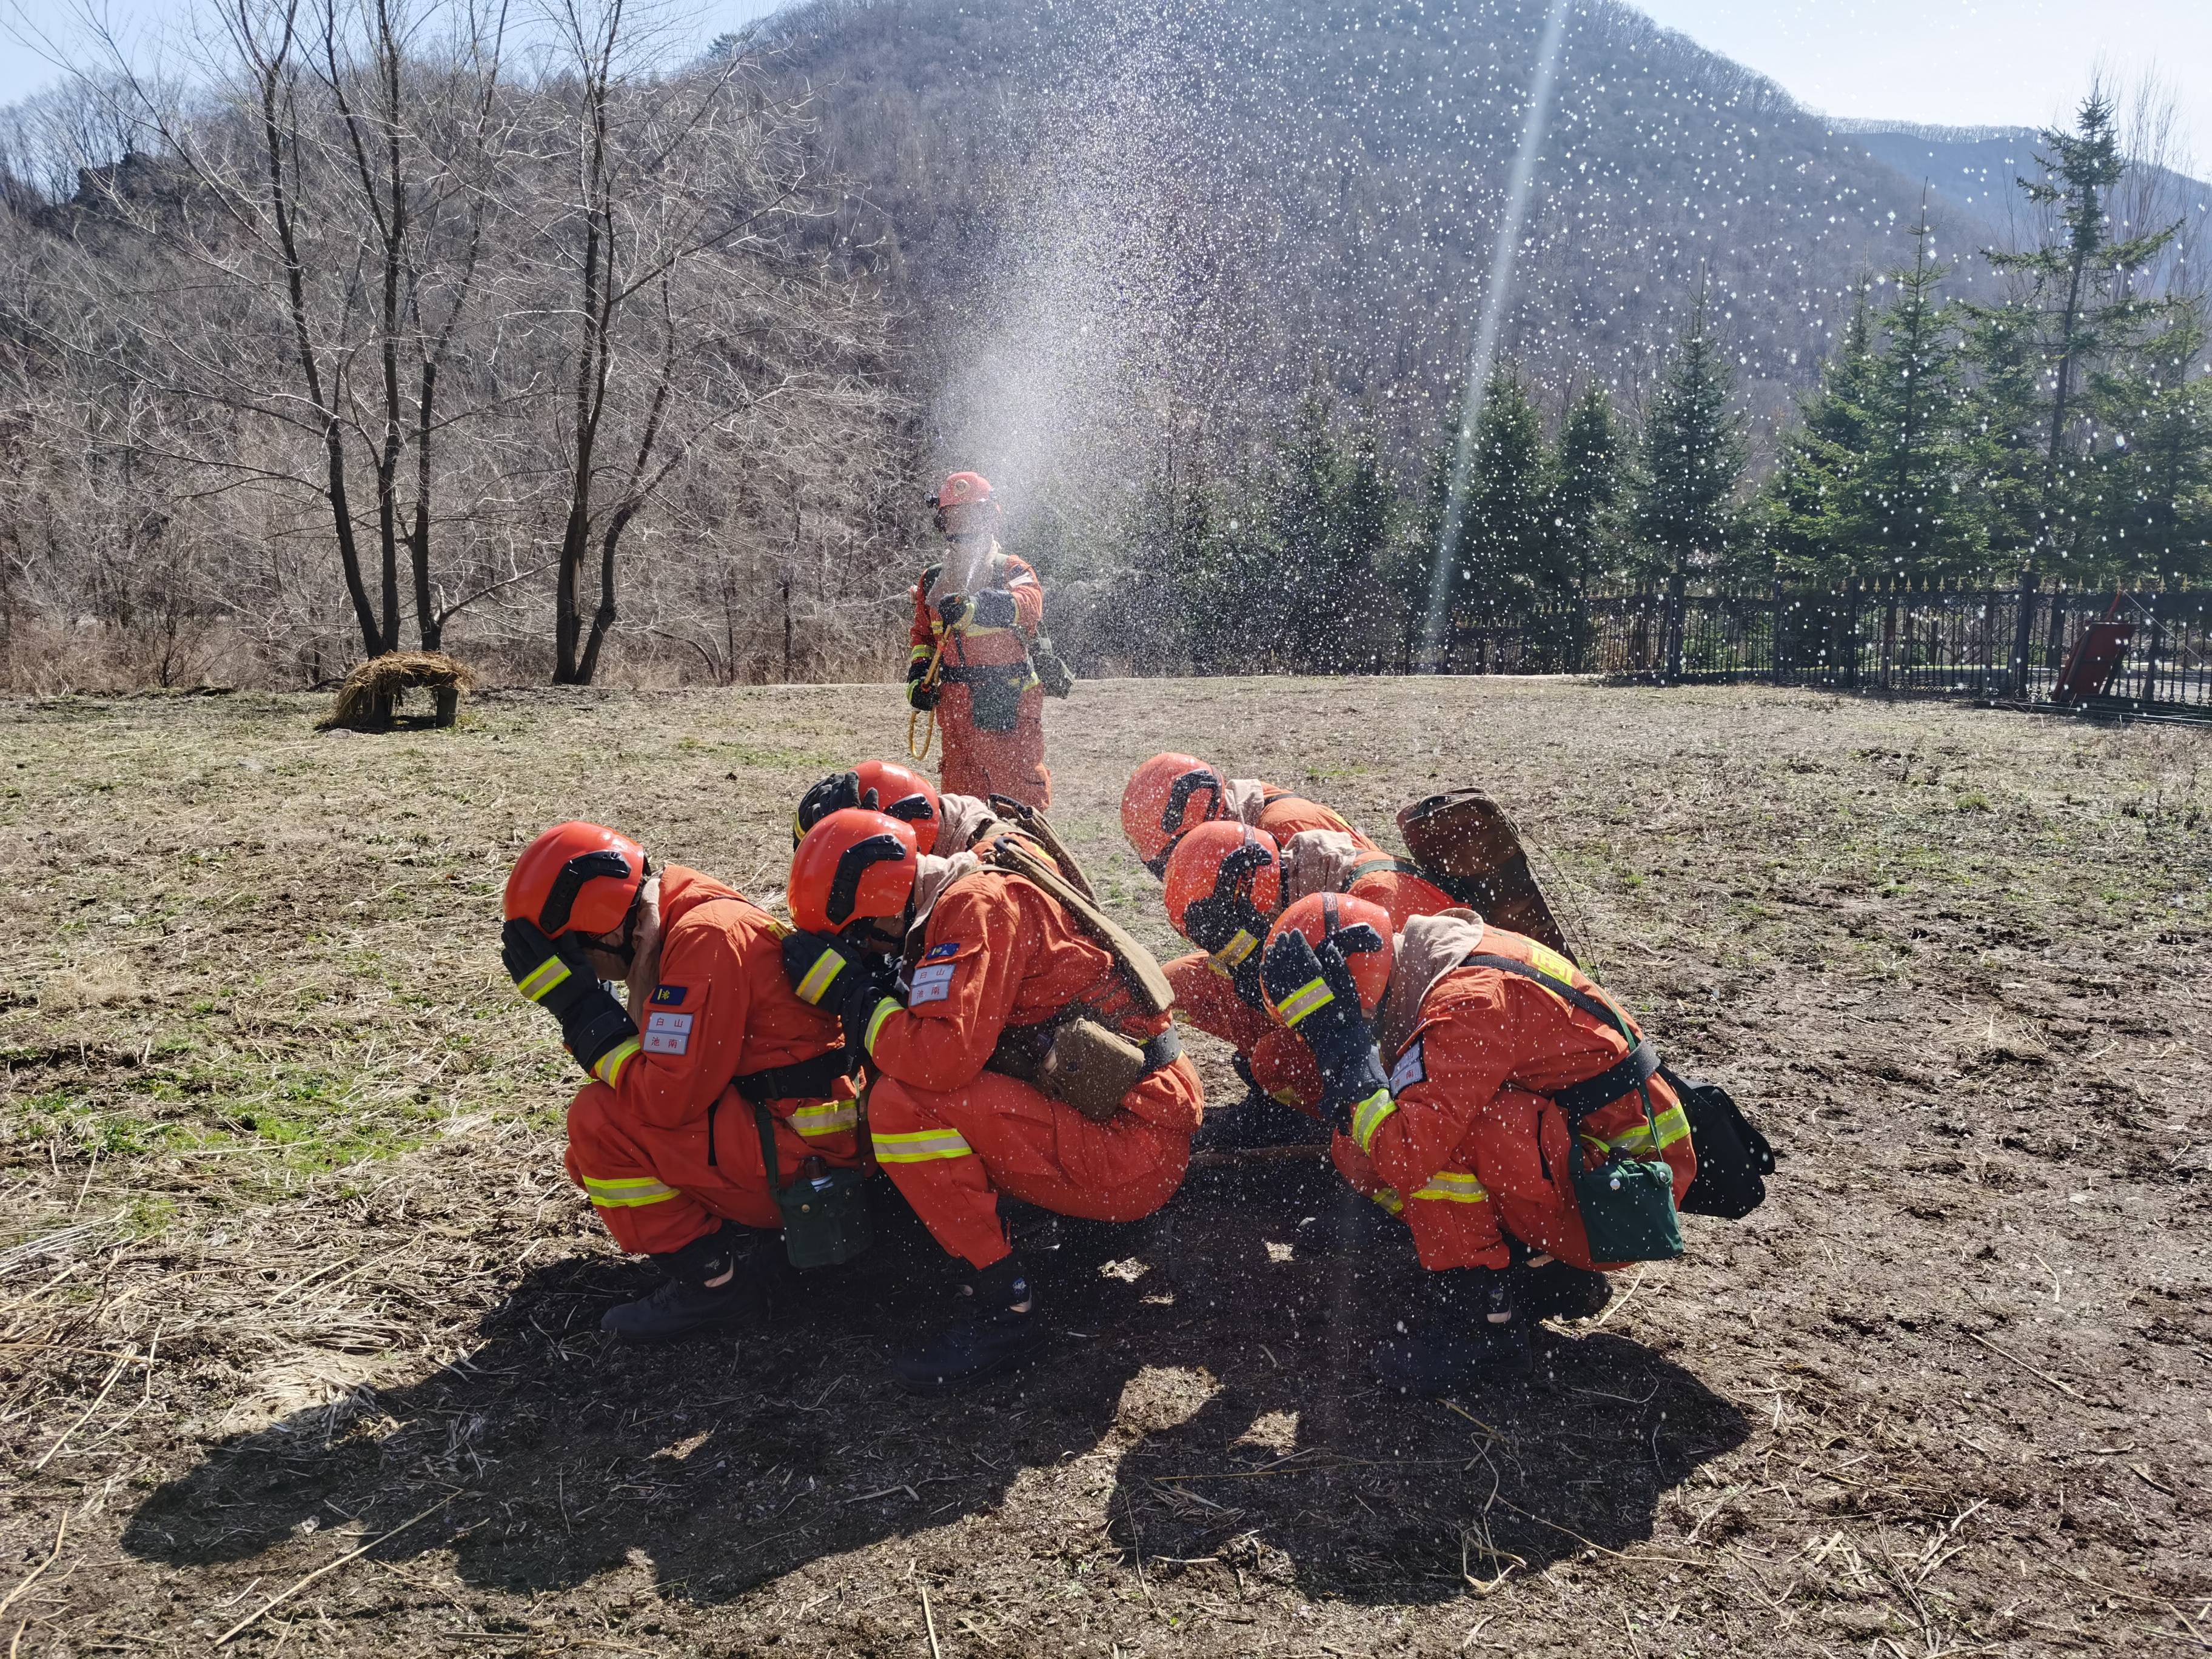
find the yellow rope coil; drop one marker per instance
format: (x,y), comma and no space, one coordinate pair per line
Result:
(928,682)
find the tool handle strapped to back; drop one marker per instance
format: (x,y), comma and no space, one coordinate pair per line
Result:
(1139,969)
(1034,824)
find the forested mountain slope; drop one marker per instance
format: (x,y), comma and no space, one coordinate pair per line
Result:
(1977,171)
(1120,223)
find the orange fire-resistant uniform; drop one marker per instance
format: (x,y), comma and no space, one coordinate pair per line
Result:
(1466,1147)
(672,1146)
(1207,999)
(998,951)
(977,759)
(1283,815)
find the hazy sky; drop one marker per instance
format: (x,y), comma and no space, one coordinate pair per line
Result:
(1959,63)
(1955,62)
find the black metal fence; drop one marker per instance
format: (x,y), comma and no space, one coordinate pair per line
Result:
(2001,642)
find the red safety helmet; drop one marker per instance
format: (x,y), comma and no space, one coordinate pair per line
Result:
(964,503)
(1230,874)
(1324,917)
(853,863)
(1165,796)
(875,787)
(577,878)
(905,795)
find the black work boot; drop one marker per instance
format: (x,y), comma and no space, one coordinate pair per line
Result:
(1471,1334)
(999,1330)
(1259,1119)
(686,1304)
(1549,1289)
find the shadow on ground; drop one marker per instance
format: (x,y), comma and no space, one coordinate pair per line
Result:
(1218,1350)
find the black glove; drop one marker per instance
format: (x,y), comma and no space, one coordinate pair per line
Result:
(953,607)
(1314,994)
(556,977)
(918,694)
(839,977)
(994,608)
(834,793)
(1213,923)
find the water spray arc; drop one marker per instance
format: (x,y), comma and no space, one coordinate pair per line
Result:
(1484,355)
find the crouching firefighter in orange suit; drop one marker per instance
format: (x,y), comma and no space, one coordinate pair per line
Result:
(665,1140)
(996,962)
(977,615)
(1172,794)
(943,825)
(1499,1052)
(1225,883)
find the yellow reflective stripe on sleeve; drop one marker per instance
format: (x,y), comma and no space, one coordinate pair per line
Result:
(627,1195)
(1233,953)
(830,1118)
(885,1010)
(920,653)
(1455,1187)
(817,979)
(920,1145)
(1367,1117)
(1388,1199)
(1313,993)
(543,978)
(1546,960)
(1673,1126)
(610,1066)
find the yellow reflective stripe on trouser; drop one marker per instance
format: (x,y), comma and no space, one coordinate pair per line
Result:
(1313,993)
(830,1117)
(826,968)
(1455,1187)
(627,1195)
(920,1145)
(543,978)
(608,1069)
(885,1010)
(1673,1126)
(1367,1117)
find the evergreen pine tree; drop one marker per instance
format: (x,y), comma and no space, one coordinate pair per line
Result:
(1811,506)
(1692,463)
(1910,504)
(2154,517)
(1584,497)
(1504,544)
(1329,515)
(2076,305)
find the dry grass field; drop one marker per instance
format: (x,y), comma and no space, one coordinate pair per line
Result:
(298,1309)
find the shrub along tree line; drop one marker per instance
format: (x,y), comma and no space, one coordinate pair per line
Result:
(2063,431)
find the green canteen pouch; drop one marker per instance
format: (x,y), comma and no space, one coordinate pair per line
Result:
(825,1217)
(1627,1207)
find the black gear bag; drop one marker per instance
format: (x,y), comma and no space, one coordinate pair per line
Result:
(1733,1159)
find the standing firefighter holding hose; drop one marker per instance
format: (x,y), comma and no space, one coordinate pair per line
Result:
(978,669)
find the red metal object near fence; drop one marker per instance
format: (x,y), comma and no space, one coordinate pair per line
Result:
(2094,660)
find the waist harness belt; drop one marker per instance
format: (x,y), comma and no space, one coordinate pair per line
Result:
(812,1079)
(805,1079)
(1625,1076)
